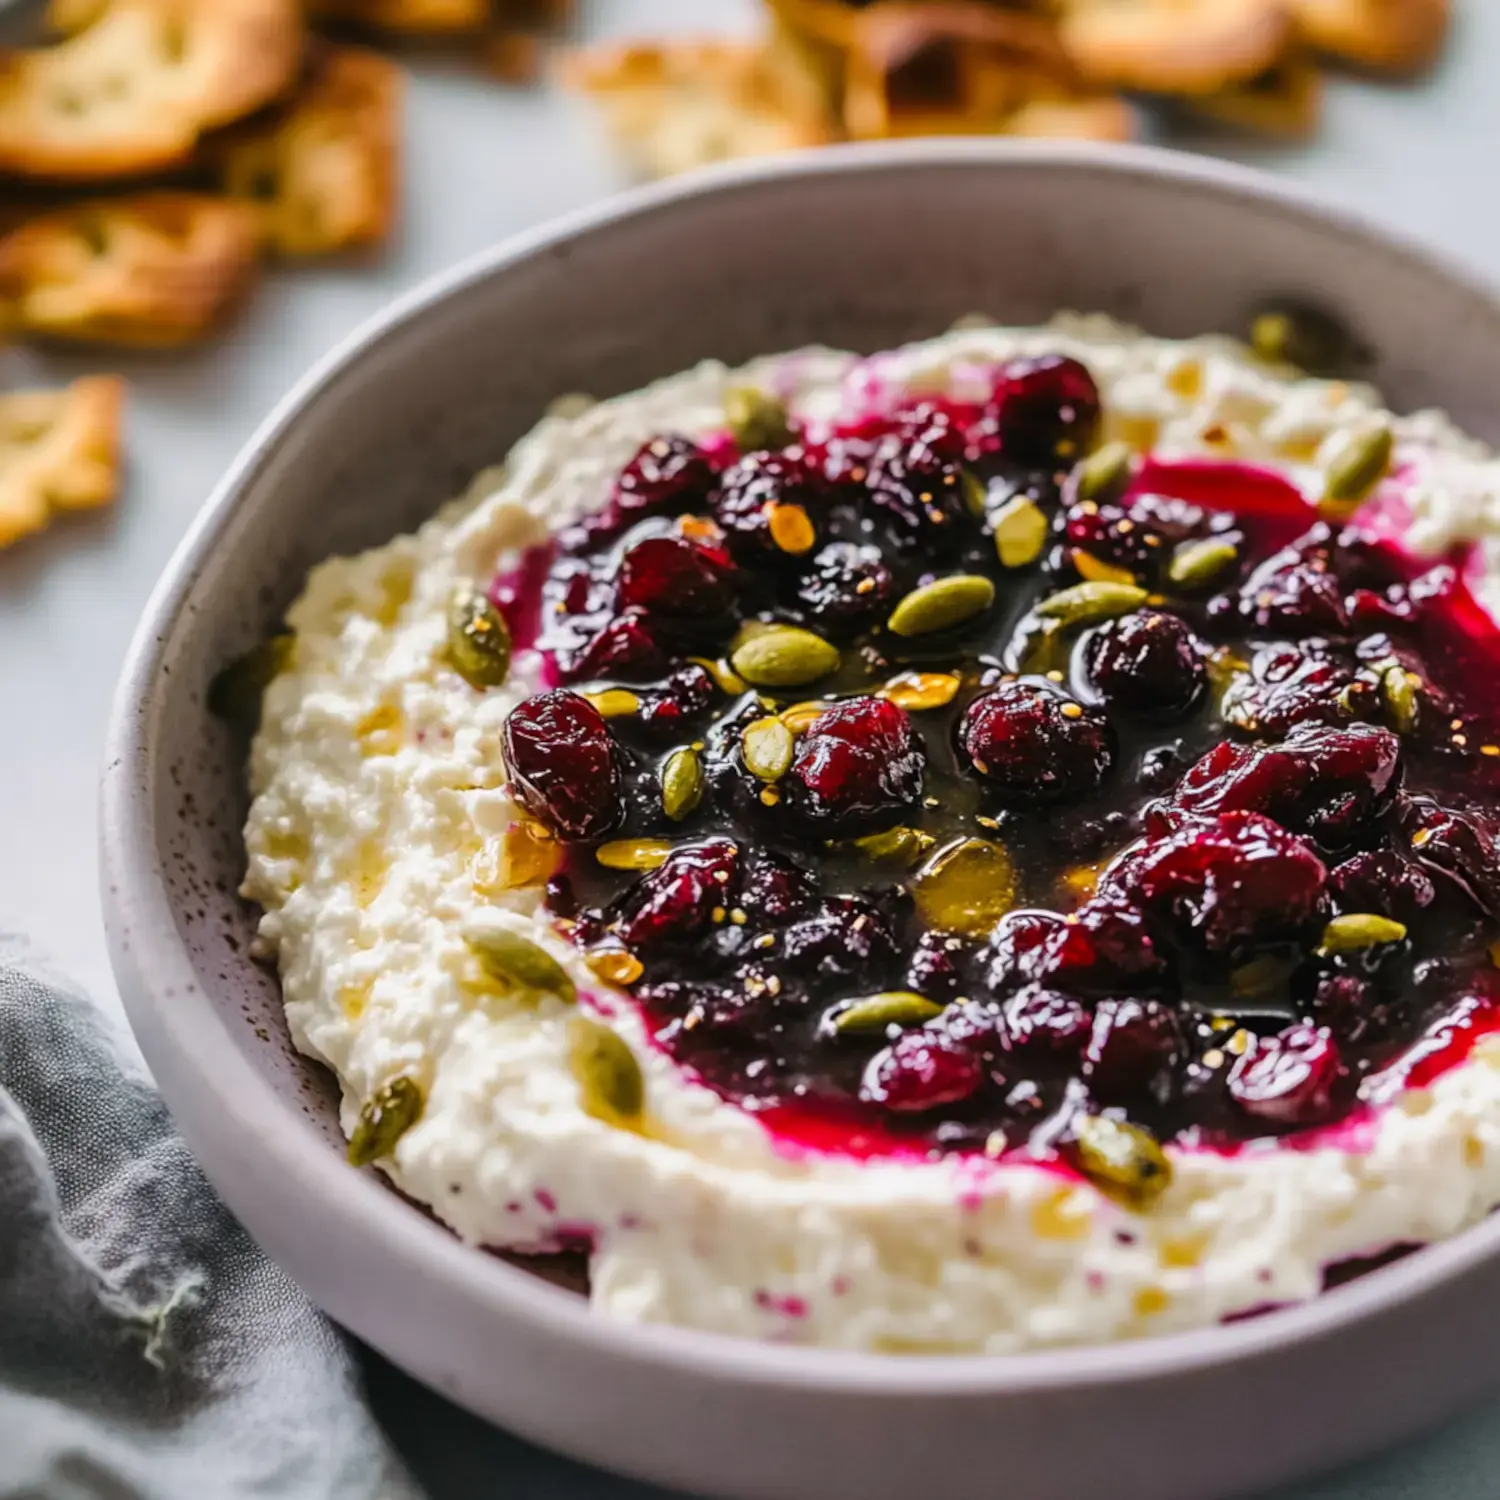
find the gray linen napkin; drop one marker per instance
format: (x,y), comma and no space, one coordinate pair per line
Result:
(148,1350)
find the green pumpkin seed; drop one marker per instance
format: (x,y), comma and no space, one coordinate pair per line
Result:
(876,1012)
(780,656)
(941,605)
(681,784)
(609,1078)
(768,746)
(1020,532)
(725,678)
(633,854)
(1263,978)
(966,887)
(518,962)
(1359,468)
(1360,930)
(1103,474)
(755,420)
(975,493)
(1123,1161)
(235,693)
(896,846)
(1401,691)
(1195,565)
(390,1112)
(478,640)
(1088,603)
(1305,337)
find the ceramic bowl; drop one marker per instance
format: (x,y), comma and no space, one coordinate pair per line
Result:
(863,247)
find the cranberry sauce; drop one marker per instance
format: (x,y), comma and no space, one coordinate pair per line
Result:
(952,784)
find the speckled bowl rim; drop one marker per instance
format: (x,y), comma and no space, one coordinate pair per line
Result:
(150,959)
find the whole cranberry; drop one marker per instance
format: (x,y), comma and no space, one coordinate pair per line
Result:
(1037,1023)
(1296,591)
(1288,1079)
(667,476)
(750,496)
(936,966)
(1464,847)
(1223,881)
(1018,949)
(1134,1051)
(562,764)
(675,702)
(1138,534)
(1032,745)
(1290,685)
(622,647)
(846,590)
(1148,664)
(924,510)
(920,1071)
(1046,409)
(670,575)
(1385,882)
(772,888)
(843,940)
(858,768)
(675,902)
(1105,945)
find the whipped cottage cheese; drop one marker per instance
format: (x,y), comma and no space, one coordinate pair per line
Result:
(379,796)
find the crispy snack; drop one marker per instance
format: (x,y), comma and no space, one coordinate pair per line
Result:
(59,450)
(154,271)
(134,88)
(323,173)
(1388,36)
(410,18)
(1286,100)
(677,105)
(1174,46)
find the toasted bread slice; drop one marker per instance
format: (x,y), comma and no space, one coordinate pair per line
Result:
(673,106)
(59,450)
(1174,46)
(133,89)
(412,18)
(322,174)
(152,271)
(1385,36)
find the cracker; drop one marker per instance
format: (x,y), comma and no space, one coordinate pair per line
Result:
(409,18)
(134,88)
(155,270)
(323,173)
(1386,36)
(1174,46)
(1286,101)
(59,451)
(673,106)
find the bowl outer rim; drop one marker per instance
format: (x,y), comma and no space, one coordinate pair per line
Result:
(146,950)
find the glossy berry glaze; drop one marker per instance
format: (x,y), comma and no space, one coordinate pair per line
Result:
(1171,799)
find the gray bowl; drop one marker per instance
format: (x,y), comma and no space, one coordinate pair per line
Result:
(860,247)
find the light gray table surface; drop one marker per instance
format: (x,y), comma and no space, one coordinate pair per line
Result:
(483,162)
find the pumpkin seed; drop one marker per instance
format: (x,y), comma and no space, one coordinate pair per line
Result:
(917,691)
(1104,473)
(478,640)
(799,717)
(975,492)
(876,1012)
(726,679)
(966,887)
(633,854)
(1358,468)
(783,656)
(1020,532)
(517,961)
(1096,570)
(755,420)
(1262,978)
(235,693)
(942,604)
(1359,930)
(615,965)
(681,784)
(1401,691)
(1123,1161)
(791,529)
(609,1077)
(615,703)
(388,1114)
(767,746)
(1088,603)
(1195,565)
(1306,337)
(903,846)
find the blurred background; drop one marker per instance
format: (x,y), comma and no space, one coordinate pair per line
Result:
(199,198)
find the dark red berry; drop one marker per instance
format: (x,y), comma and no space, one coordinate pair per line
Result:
(858,768)
(1296,591)
(1289,1079)
(668,476)
(1148,664)
(675,903)
(622,647)
(750,495)
(1046,409)
(669,575)
(843,941)
(1384,882)
(1018,949)
(1037,1023)
(679,699)
(846,590)
(773,889)
(1033,745)
(562,763)
(1133,1052)
(1138,535)
(1105,945)
(936,966)
(1462,847)
(920,1071)
(1289,685)
(922,509)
